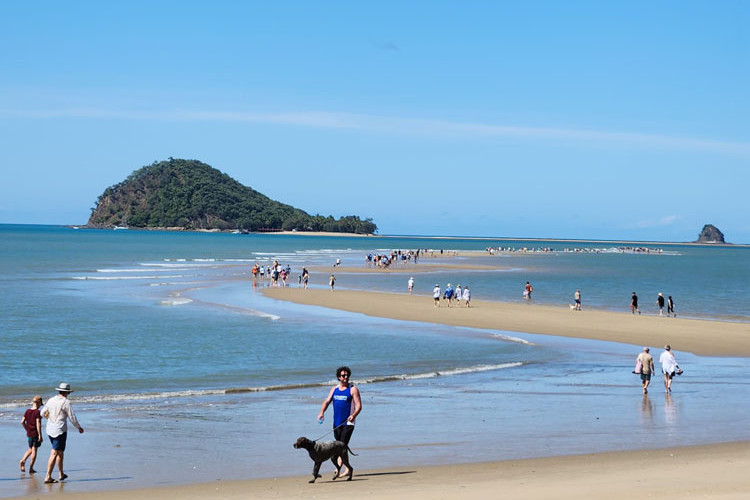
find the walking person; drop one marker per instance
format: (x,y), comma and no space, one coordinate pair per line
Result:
(436,295)
(670,307)
(332,281)
(660,303)
(448,294)
(634,304)
(669,367)
(347,404)
(577,298)
(32,422)
(57,411)
(467,295)
(527,291)
(647,368)
(410,285)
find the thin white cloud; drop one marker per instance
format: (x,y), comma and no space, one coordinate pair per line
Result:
(401,126)
(667,220)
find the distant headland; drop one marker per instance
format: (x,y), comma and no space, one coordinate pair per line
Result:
(182,194)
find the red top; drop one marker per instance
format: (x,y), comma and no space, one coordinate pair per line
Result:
(30,418)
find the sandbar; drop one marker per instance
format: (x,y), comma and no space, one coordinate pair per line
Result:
(701,337)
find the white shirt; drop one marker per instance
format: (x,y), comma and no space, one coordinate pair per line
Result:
(668,362)
(60,410)
(411,283)
(467,294)
(436,292)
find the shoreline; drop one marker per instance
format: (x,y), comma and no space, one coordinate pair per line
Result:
(701,337)
(707,471)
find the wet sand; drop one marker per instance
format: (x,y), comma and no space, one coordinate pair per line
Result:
(715,471)
(701,337)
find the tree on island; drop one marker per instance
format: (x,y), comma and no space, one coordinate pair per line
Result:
(189,194)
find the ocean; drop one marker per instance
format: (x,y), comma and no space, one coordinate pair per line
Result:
(184,372)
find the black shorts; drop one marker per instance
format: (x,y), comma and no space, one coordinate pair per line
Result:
(343,433)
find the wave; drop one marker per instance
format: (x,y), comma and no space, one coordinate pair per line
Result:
(512,339)
(175,301)
(148,396)
(442,373)
(262,314)
(182,263)
(114,278)
(141,270)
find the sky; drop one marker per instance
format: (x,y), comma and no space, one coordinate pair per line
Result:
(549,119)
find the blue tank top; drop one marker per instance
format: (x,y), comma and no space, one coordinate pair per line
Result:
(342,405)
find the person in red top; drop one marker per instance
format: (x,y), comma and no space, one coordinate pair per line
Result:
(32,422)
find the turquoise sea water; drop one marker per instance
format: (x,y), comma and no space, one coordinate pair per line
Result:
(174,353)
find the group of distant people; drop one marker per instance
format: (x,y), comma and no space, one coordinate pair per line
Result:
(644,366)
(279,274)
(384,261)
(660,303)
(450,294)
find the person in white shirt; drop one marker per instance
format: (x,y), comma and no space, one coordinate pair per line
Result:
(57,411)
(668,367)
(436,295)
(411,284)
(467,295)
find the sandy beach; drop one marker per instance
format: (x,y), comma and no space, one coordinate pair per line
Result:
(711,471)
(701,337)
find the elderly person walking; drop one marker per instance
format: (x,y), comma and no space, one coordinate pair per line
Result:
(647,368)
(57,411)
(669,367)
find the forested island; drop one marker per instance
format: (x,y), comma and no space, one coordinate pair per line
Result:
(191,195)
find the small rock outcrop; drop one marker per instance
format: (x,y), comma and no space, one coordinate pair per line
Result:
(710,234)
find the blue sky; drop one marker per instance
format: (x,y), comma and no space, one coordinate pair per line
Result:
(560,119)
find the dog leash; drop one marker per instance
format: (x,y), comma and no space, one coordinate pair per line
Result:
(331,431)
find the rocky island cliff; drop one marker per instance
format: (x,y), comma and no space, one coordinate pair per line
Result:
(191,195)
(710,234)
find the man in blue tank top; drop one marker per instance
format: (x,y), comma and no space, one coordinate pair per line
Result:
(346,405)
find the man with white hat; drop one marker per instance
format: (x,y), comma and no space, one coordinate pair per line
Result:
(57,411)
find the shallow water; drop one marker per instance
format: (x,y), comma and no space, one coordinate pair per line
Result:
(152,329)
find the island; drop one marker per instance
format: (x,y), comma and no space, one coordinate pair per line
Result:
(710,234)
(191,195)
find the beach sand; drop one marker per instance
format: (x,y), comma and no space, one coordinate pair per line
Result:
(701,337)
(716,471)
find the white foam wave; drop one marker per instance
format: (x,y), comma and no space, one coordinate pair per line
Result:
(181,283)
(115,278)
(147,396)
(512,339)
(261,314)
(125,270)
(175,301)
(442,373)
(182,264)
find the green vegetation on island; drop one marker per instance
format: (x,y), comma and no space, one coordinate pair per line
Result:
(190,194)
